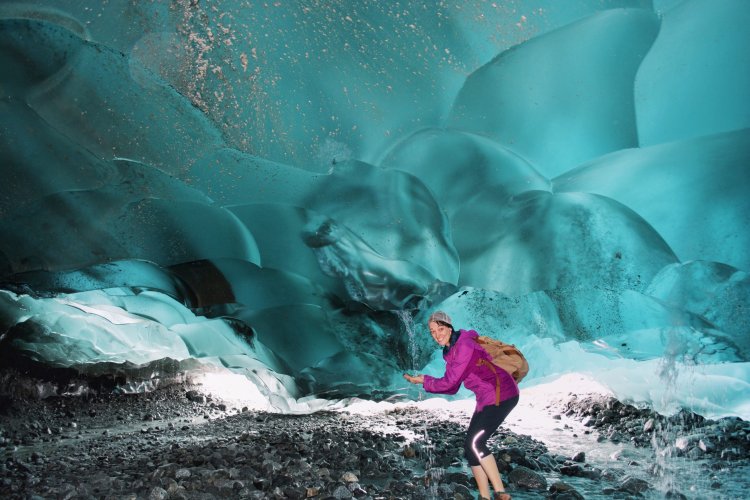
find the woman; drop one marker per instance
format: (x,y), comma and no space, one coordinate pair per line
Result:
(496,393)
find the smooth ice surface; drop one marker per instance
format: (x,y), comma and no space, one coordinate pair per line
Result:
(458,166)
(564,97)
(694,192)
(284,192)
(691,86)
(541,241)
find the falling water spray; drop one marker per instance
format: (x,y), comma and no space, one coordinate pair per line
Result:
(672,434)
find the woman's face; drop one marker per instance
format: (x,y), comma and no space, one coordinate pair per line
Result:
(441,333)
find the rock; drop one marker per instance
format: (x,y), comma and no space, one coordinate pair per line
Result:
(341,491)
(547,462)
(157,493)
(568,495)
(682,443)
(593,474)
(579,457)
(462,491)
(525,478)
(563,491)
(295,492)
(312,491)
(571,470)
(634,485)
(649,425)
(182,473)
(349,477)
(357,490)
(196,397)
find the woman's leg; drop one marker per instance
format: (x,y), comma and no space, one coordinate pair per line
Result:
(472,434)
(480,477)
(483,465)
(489,465)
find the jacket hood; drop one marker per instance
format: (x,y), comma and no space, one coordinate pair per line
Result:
(463,337)
(468,334)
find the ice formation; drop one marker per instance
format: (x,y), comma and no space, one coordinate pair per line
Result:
(284,192)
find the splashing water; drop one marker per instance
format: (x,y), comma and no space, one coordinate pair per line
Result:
(674,436)
(661,436)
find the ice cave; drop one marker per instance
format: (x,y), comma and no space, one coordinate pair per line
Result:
(281,193)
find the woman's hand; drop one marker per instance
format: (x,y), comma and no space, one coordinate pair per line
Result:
(418,379)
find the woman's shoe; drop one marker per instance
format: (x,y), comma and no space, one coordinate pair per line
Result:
(501,495)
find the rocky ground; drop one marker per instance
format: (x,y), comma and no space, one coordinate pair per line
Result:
(685,434)
(180,443)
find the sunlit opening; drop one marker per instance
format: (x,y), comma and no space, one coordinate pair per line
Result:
(234,389)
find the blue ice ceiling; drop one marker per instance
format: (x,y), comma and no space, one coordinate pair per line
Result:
(285,190)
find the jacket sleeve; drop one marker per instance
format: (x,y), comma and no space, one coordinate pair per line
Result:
(455,372)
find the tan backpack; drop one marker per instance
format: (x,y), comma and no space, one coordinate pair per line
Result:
(506,356)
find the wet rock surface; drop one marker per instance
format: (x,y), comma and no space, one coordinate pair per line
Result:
(705,445)
(683,434)
(181,443)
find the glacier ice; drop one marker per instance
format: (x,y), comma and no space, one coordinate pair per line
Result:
(471,177)
(564,97)
(285,192)
(457,166)
(64,331)
(100,81)
(105,226)
(717,292)
(117,328)
(693,192)
(410,224)
(667,108)
(542,241)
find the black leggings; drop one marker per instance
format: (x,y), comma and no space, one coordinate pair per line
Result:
(483,424)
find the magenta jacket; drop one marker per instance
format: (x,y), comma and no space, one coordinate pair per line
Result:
(461,366)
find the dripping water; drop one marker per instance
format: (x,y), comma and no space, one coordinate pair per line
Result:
(432,473)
